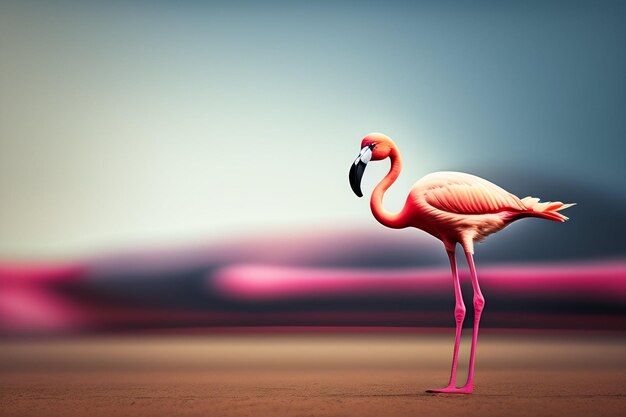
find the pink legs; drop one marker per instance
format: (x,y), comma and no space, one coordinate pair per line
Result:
(479,304)
(459,315)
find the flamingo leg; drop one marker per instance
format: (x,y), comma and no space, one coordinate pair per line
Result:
(479,304)
(459,316)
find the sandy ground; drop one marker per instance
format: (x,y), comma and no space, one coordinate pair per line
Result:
(310,375)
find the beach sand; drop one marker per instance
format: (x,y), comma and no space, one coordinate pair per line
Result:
(317,374)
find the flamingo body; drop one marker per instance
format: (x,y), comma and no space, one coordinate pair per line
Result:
(455,208)
(458,207)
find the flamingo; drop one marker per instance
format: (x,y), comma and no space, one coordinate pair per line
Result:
(455,208)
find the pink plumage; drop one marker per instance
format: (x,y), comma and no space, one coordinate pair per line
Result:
(458,207)
(455,208)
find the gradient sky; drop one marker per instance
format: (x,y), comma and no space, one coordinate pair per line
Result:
(135,124)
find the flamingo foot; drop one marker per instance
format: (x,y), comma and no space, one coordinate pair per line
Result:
(467,389)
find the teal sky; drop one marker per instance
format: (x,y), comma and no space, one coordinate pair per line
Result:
(154,123)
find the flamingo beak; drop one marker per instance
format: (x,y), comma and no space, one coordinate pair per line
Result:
(358,168)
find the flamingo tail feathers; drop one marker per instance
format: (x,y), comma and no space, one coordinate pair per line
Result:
(546,210)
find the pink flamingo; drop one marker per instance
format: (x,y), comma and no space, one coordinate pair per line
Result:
(455,208)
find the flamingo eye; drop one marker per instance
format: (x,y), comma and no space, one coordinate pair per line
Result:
(372,145)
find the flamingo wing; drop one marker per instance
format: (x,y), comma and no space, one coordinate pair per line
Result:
(460,193)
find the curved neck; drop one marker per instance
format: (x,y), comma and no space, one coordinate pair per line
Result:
(393,220)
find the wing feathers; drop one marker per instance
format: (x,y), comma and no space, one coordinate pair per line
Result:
(467,194)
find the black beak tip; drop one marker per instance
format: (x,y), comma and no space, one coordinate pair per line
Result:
(356,172)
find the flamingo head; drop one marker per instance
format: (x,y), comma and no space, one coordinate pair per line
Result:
(374,147)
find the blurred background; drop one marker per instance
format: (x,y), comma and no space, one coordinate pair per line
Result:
(182,166)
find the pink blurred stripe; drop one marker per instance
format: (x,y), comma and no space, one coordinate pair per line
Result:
(28,302)
(258,282)
(39,273)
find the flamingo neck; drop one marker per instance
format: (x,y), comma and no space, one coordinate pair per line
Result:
(392,220)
